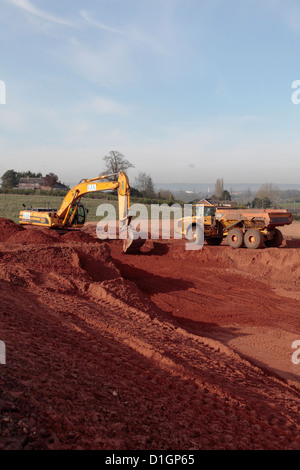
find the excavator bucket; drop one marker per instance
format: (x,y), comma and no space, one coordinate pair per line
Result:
(132,245)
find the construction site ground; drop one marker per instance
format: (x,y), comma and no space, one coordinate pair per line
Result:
(165,349)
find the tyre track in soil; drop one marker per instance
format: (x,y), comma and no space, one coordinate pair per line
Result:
(100,357)
(245,299)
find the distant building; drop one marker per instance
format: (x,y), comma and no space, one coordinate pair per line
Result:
(39,183)
(227,204)
(205,201)
(209,202)
(31,183)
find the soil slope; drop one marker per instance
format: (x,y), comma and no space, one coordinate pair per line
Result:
(167,349)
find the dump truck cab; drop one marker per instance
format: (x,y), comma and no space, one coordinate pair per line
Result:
(206,212)
(202,215)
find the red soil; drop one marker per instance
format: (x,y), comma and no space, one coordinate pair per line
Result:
(33,237)
(167,349)
(8,228)
(78,237)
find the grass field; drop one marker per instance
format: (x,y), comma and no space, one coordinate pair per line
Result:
(12,204)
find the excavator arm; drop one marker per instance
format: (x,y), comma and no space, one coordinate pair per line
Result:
(69,206)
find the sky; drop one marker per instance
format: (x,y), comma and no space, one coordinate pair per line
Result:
(187,90)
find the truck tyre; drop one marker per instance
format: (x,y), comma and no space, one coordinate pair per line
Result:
(214,241)
(254,239)
(235,238)
(276,240)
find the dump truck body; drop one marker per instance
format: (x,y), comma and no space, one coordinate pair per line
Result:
(243,227)
(253,218)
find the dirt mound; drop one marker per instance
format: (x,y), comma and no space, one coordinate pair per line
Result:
(238,296)
(78,237)
(74,263)
(112,351)
(8,228)
(88,373)
(277,264)
(34,237)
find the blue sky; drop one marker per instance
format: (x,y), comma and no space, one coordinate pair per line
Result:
(187,90)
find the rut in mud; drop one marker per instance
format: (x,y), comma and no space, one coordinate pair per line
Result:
(113,351)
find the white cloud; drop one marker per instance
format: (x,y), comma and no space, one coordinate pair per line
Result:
(87,17)
(136,36)
(30,8)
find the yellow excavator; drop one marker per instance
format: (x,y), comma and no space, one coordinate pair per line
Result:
(72,214)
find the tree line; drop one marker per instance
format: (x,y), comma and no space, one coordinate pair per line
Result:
(11,178)
(143,186)
(114,162)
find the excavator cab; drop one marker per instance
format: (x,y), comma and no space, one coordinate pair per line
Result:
(80,216)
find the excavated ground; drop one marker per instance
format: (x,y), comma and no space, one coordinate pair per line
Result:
(167,349)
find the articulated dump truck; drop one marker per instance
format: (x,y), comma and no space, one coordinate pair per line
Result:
(253,228)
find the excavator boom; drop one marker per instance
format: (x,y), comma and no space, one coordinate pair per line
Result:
(73,197)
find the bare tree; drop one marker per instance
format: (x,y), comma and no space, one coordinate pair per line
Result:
(219,188)
(268,190)
(114,163)
(144,184)
(166,195)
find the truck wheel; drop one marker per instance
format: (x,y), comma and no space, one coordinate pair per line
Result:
(254,239)
(214,241)
(276,240)
(235,238)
